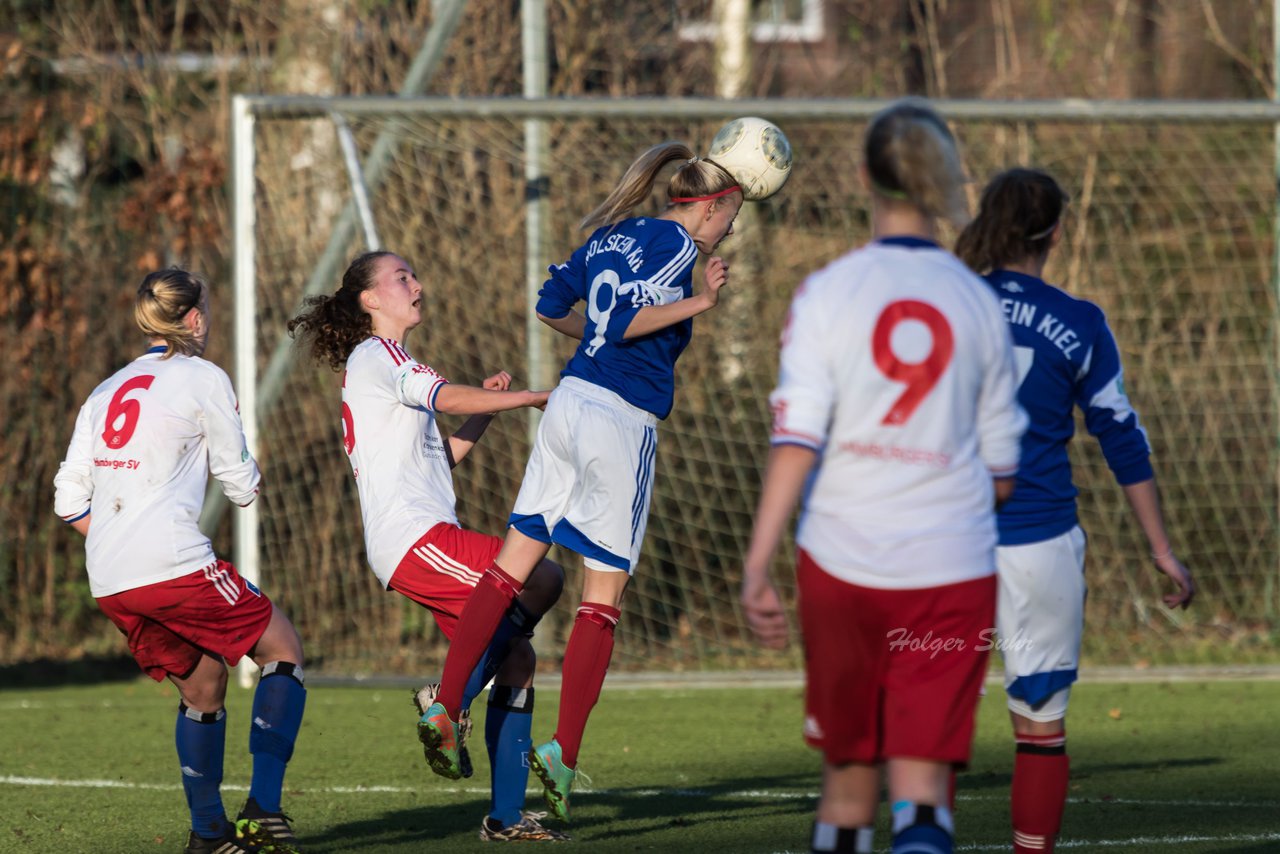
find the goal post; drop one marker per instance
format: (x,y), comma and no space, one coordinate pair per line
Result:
(1171,230)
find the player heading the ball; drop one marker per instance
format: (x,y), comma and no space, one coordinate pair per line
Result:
(589,478)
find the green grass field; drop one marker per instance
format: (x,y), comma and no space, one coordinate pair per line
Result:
(1174,766)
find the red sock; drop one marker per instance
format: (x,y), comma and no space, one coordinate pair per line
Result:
(586,658)
(1040,773)
(476,625)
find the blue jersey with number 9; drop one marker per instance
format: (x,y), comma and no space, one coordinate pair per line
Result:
(621,269)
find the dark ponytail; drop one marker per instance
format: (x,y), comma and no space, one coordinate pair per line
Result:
(331,326)
(1017,215)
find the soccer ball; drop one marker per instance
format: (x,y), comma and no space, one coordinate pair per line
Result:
(756,153)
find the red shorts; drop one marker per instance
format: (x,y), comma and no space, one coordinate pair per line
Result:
(893,673)
(442,569)
(171,624)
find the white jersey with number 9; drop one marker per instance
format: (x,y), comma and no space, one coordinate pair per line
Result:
(897,367)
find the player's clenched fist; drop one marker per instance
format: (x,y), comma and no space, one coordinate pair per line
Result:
(716,276)
(501,381)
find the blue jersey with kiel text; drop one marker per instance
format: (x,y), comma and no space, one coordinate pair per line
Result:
(1066,357)
(623,268)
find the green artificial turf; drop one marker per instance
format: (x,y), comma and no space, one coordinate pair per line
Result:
(1166,766)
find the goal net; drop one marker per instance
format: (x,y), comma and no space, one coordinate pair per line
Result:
(1170,230)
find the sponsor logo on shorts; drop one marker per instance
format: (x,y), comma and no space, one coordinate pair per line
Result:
(811,727)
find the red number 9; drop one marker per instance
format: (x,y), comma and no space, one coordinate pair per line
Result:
(919,377)
(348,429)
(129,410)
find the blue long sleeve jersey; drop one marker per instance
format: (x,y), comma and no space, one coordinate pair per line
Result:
(1066,357)
(623,268)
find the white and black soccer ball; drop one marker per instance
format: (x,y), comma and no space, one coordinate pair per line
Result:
(756,153)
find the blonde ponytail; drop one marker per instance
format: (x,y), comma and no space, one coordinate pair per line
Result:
(164,299)
(696,178)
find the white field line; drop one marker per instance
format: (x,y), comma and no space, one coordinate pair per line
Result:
(757,794)
(1187,839)
(763,794)
(1118,843)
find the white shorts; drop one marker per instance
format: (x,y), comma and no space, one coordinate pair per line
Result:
(1040,618)
(590,476)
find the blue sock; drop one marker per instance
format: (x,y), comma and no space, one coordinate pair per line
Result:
(201,740)
(921,829)
(517,621)
(277,715)
(507,727)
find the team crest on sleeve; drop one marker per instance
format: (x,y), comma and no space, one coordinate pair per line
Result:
(252,588)
(641,292)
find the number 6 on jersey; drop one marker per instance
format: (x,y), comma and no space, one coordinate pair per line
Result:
(123,412)
(919,377)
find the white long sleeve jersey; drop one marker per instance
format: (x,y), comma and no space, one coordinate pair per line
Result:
(897,367)
(396,451)
(144,445)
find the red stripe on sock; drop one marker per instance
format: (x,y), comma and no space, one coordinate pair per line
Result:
(1056,740)
(586,660)
(1039,795)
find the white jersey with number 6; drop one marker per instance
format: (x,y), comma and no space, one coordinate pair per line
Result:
(897,367)
(396,451)
(144,444)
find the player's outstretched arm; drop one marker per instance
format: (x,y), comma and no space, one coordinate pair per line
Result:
(420,386)
(1144,499)
(784,478)
(465,437)
(653,318)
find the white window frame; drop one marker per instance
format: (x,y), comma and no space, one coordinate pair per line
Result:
(809,28)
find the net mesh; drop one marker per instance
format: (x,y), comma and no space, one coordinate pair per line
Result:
(1170,231)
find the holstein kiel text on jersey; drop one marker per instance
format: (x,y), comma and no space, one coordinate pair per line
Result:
(1024,314)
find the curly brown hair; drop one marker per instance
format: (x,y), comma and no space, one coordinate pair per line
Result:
(330,326)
